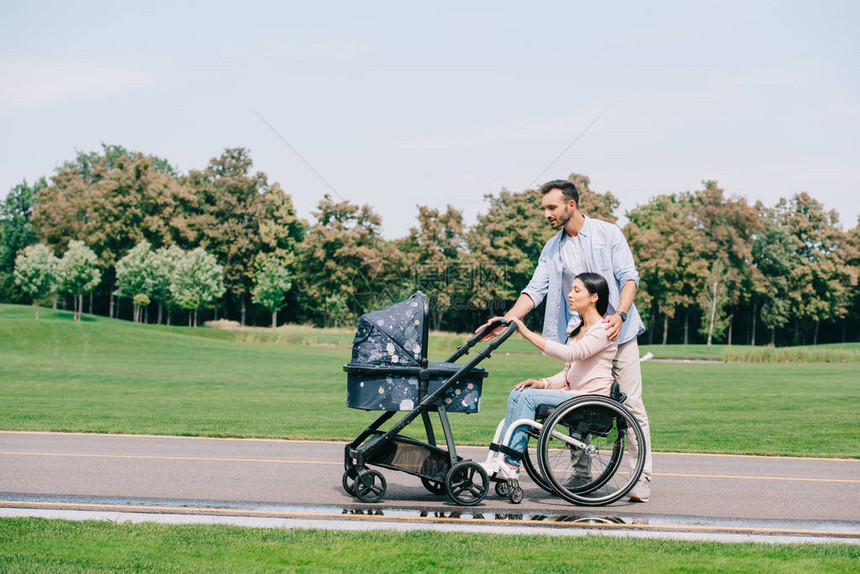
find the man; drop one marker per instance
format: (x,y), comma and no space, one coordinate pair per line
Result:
(586,244)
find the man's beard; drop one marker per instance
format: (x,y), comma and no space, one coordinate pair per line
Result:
(561,220)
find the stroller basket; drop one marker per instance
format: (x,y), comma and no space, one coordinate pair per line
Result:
(412,456)
(393,389)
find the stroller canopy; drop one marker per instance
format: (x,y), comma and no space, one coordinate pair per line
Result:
(394,336)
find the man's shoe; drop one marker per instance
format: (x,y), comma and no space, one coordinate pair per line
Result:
(641,492)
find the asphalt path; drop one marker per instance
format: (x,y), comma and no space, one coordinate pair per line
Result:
(296,479)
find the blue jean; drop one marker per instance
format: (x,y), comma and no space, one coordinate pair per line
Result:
(522,405)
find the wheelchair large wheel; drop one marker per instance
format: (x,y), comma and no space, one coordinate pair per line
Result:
(531,464)
(613,457)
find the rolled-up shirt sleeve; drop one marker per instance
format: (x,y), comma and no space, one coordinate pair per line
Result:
(576,350)
(539,284)
(622,259)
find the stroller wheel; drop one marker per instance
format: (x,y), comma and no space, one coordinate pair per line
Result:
(433,486)
(369,486)
(467,483)
(502,489)
(348,480)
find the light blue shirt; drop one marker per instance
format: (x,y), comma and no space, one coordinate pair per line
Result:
(608,254)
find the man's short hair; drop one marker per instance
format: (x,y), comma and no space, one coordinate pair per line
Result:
(566,187)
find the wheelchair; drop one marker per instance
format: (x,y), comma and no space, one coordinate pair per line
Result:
(588,450)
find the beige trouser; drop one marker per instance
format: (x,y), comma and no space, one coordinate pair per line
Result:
(626,370)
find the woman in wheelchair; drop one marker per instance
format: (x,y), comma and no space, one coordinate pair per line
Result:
(588,355)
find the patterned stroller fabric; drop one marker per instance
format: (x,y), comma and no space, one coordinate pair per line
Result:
(389,355)
(393,336)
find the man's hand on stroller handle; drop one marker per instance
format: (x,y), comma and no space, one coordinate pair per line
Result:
(503,323)
(520,309)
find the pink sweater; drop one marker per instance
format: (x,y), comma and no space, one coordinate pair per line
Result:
(589,362)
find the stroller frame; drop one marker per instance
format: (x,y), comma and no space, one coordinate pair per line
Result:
(440,469)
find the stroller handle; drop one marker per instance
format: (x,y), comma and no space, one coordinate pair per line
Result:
(492,346)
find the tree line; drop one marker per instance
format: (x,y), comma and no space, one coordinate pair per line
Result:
(225,242)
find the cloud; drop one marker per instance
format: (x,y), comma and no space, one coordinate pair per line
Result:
(28,83)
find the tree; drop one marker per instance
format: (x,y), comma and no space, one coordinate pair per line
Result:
(504,246)
(435,252)
(728,226)
(16,231)
(62,210)
(36,273)
(89,164)
(272,282)
(237,215)
(677,240)
(772,258)
(806,278)
(712,301)
(78,273)
(111,201)
(163,266)
(198,280)
(819,281)
(337,311)
(666,243)
(135,277)
(850,254)
(344,262)
(507,241)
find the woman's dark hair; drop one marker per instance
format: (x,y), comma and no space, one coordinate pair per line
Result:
(594,283)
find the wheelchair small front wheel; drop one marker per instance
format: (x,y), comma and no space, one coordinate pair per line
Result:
(467,483)
(502,489)
(516,495)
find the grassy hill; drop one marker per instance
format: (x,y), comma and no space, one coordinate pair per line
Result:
(104,375)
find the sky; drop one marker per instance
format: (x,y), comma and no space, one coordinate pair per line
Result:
(399,104)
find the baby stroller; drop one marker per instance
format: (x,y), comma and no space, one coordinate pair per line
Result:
(389,372)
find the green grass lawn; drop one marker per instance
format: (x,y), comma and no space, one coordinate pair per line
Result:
(719,352)
(684,351)
(35,545)
(103,375)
